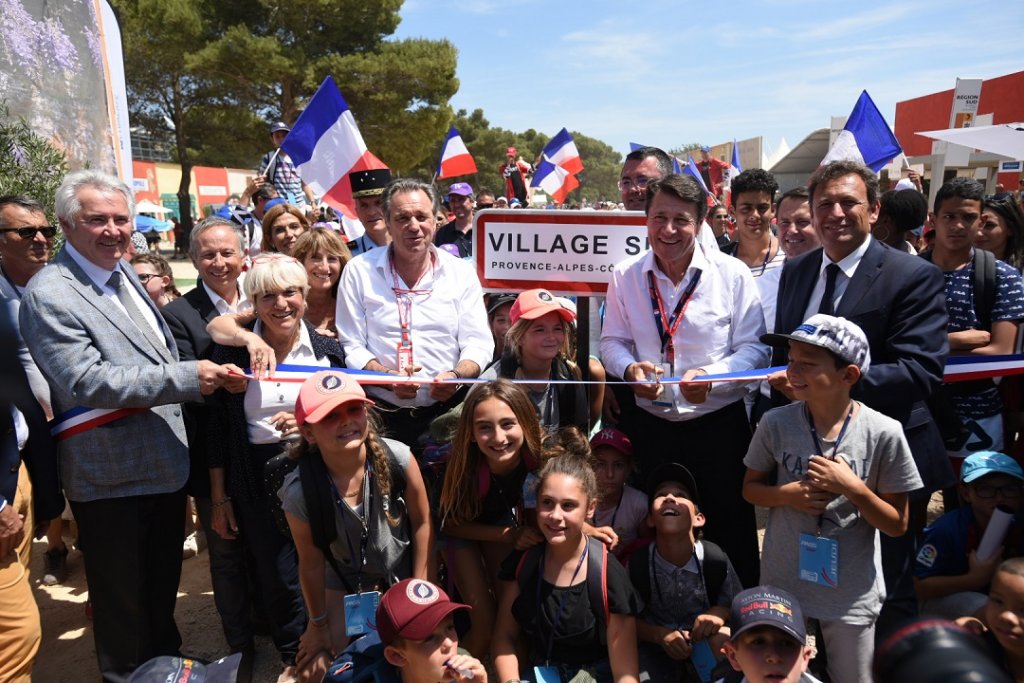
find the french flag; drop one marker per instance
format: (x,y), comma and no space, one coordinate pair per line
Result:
(455,158)
(561,150)
(554,179)
(866,138)
(325,145)
(734,166)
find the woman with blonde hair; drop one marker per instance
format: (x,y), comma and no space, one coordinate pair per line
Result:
(324,256)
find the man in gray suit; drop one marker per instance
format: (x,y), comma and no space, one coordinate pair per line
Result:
(101,344)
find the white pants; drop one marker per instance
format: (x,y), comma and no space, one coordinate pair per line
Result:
(850,649)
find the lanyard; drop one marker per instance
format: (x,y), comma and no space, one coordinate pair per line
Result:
(835,445)
(513,506)
(767,255)
(403,298)
(657,585)
(561,600)
(661,318)
(364,536)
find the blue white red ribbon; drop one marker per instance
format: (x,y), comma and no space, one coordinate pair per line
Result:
(78,420)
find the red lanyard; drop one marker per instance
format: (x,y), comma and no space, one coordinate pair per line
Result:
(403,298)
(668,346)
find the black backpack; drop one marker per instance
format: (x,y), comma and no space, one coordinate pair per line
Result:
(984,285)
(713,569)
(597,565)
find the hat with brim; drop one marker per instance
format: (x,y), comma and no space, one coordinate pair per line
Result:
(369,183)
(672,471)
(980,464)
(412,609)
(536,303)
(279,126)
(767,606)
(838,335)
(324,391)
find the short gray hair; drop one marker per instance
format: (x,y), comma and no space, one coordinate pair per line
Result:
(66,202)
(209,223)
(408,185)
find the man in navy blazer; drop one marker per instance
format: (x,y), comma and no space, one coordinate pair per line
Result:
(101,344)
(899,302)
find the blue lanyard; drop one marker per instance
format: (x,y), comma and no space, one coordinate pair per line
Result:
(364,518)
(561,600)
(835,445)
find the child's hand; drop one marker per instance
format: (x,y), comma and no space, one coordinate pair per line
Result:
(833,475)
(982,571)
(605,534)
(525,537)
(705,626)
(676,644)
(464,668)
(806,497)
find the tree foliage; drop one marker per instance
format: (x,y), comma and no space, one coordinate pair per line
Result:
(29,164)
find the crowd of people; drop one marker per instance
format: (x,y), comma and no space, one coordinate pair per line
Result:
(356,425)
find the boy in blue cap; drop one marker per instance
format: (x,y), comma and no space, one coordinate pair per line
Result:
(951,580)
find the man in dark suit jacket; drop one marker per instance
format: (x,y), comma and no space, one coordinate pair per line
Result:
(217,249)
(899,302)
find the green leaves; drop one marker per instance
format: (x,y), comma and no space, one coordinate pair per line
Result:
(29,164)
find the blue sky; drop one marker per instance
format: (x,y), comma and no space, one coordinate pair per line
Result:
(671,72)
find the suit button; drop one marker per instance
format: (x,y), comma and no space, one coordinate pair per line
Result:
(14,469)
(177,413)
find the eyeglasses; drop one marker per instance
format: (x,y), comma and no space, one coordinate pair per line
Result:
(1007,491)
(639,183)
(484,206)
(146,277)
(29,232)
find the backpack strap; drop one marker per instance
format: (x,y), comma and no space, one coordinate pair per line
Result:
(984,286)
(320,507)
(639,571)
(713,568)
(597,591)
(528,564)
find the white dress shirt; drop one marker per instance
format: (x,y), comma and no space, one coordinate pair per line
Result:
(223,307)
(448,324)
(847,267)
(718,334)
(101,276)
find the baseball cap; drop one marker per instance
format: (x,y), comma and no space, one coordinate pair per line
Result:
(613,438)
(510,152)
(705,148)
(672,471)
(515,202)
(412,609)
(501,200)
(838,335)
(535,303)
(369,183)
(977,465)
(767,606)
(461,189)
(324,391)
(280,125)
(166,669)
(499,300)
(271,203)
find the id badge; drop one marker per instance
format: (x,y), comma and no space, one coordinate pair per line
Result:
(405,364)
(361,613)
(703,660)
(546,674)
(819,560)
(668,391)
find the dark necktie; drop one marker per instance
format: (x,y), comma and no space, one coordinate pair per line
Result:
(827,305)
(117,283)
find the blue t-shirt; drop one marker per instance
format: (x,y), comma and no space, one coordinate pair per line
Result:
(946,545)
(1009,305)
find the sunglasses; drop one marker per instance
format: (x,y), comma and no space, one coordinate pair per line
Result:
(28,233)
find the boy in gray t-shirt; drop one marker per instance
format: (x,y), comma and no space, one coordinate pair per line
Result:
(832,471)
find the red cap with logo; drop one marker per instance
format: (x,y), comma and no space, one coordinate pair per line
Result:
(536,303)
(324,391)
(412,609)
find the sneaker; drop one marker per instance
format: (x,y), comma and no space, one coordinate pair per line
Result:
(55,566)
(190,548)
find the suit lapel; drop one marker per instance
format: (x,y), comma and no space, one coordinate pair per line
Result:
(863,278)
(168,350)
(805,272)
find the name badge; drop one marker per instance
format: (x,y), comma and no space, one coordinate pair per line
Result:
(670,395)
(819,560)
(361,613)
(405,364)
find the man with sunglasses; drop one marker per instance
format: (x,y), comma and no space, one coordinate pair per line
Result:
(950,579)
(29,488)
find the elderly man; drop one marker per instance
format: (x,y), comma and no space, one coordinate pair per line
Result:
(899,302)
(217,251)
(684,310)
(413,310)
(458,232)
(29,487)
(102,346)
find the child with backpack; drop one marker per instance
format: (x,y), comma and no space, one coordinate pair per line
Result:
(687,584)
(358,512)
(568,596)
(483,509)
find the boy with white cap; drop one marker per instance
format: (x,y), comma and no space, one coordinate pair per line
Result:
(833,472)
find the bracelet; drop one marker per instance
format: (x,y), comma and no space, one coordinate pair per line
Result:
(221,503)
(458,375)
(320,621)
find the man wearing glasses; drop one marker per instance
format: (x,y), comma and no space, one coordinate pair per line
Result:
(899,302)
(642,166)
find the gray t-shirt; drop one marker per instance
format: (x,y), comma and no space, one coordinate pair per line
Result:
(388,556)
(877,451)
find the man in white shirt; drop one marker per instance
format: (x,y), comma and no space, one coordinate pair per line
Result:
(413,310)
(683,310)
